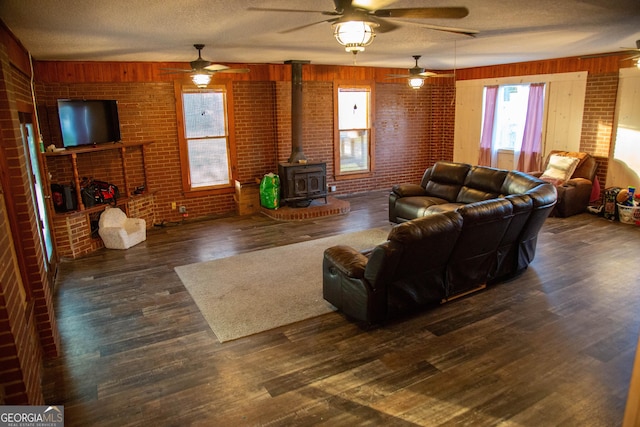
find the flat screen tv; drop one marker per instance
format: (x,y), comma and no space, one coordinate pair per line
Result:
(88,122)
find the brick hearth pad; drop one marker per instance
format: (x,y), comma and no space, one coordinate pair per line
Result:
(317,209)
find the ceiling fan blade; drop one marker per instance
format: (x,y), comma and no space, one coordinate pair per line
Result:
(267,9)
(431,75)
(175,70)
(343,6)
(426,74)
(290,30)
(424,13)
(463,31)
(216,67)
(384,26)
(220,68)
(234,70)
(602,55)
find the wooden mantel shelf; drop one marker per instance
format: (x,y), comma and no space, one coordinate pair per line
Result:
(94,148)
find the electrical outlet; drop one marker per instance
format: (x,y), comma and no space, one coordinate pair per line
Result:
(174,205)
(183,209)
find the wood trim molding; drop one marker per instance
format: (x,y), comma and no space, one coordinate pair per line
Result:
(632,412)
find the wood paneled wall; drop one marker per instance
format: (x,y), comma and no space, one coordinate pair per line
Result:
(609,64)
(141,72)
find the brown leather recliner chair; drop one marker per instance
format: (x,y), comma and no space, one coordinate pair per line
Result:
(402,274)
(574,194)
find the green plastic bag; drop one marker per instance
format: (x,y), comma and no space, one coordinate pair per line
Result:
(270,191)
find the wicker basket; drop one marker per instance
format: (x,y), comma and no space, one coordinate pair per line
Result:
(629,214)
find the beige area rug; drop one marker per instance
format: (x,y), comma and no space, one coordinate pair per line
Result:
(256,291)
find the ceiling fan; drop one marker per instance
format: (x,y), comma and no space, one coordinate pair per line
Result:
(417,75)
(417,72)
(202,70)
(346,11)
(633,51)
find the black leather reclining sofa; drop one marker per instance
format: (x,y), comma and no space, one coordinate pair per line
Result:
(462,227)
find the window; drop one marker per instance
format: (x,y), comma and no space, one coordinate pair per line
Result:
(354,136)
(205,145)
(512,125)
(510,116)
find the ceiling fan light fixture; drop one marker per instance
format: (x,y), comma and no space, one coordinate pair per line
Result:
(354,35)
(415,82)
(201,80)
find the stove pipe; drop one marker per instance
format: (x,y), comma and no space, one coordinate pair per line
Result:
(297,152)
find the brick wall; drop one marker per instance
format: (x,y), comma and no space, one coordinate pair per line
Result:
(142,207)
(20,353)
(598,119)
(29,330)
(403,148)
(406,143)
(256,138)
(442,121)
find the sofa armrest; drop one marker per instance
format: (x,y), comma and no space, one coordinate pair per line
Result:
(408,190)
(345,286)
(577,182)
(346,260)
(573,197)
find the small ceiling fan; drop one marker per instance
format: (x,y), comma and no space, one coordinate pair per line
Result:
(633,51)
(417,72)
(345,11)
(202,66)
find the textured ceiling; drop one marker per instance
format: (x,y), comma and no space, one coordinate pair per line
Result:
(165,31)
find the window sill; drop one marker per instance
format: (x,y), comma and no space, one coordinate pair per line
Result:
(353,175)
(192,194)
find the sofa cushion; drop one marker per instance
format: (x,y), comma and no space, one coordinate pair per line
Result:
(481,183)
(518,182)
(416,207)
(444,207)
(446,179)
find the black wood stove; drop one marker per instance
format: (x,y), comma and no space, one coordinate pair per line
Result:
(300,180)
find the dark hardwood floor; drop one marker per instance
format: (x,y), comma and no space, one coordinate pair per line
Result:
(553,347)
